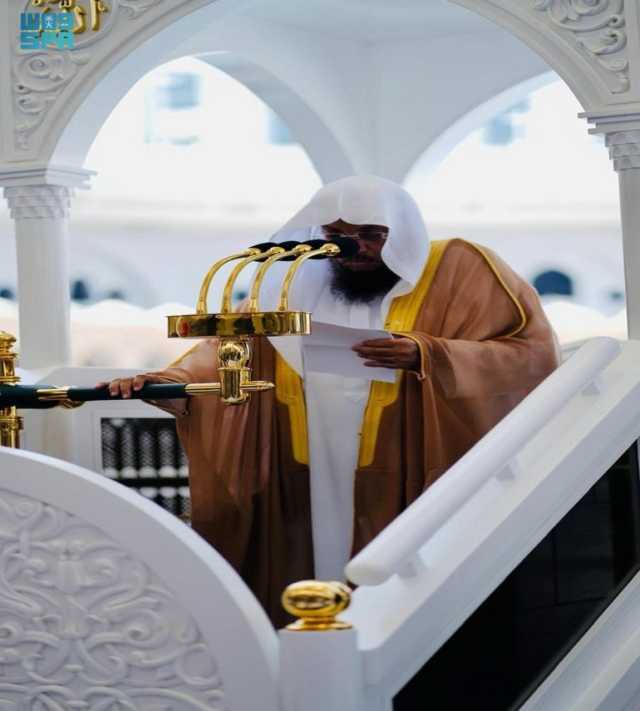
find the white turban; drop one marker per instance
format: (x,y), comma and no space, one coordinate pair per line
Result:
(358,200)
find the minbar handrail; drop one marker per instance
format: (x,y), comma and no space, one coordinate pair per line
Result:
(394,550)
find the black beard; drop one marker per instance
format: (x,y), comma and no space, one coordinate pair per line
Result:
(361,287)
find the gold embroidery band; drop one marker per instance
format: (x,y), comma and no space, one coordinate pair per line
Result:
(290,393)
(402,316)
(510,294)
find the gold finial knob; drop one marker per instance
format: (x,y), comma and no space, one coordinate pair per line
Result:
(6,341)
(10,423)
(317,604)
(233,352)
(7,359)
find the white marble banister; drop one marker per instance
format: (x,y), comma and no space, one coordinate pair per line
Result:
(495,455)
(109,601)
(403,621)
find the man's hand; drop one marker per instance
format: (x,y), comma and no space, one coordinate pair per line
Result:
(125,386)
(398,353)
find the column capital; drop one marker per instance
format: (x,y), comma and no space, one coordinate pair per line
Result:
(624,149)
(41,192)
(621,133)
(39,202)
(15,175)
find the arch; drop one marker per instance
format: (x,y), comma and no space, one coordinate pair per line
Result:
(96,74)
(568,45)
(588,50)
(325,152)
(83,123)
(432,154)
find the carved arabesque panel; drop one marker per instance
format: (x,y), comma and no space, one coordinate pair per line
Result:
(597,29)
(40,77)
(85,625)
(38,80)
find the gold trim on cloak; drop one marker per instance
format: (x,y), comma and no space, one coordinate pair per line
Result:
(510,294)
(402,317)
(289,392)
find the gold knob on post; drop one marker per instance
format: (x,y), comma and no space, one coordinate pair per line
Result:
(317,604)
(233,356)
(10,423)
(7,358)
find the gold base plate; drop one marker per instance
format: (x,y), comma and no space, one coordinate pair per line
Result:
(260,323)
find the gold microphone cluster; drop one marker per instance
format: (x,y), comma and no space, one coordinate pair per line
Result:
(233,329)
(254,321)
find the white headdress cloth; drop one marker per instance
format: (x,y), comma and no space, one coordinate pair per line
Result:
(358,200)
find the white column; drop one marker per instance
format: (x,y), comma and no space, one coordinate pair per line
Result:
(624,148)
(622,137)
(41,214)
(39,201)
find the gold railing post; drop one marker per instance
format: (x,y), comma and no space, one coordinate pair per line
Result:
(10,423)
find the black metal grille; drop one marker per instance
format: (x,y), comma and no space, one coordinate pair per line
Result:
(507,648)
(145,454)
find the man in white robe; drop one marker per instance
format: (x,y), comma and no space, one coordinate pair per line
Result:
(291,484)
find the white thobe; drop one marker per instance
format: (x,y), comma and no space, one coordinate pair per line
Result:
(335,407)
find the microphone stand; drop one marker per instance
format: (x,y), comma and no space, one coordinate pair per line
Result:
(232,330)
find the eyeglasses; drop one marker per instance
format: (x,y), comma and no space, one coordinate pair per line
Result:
(365,235)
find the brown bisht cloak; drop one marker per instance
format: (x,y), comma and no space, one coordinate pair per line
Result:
(485,343)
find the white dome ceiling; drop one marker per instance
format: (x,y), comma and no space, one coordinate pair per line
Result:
(373,19)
